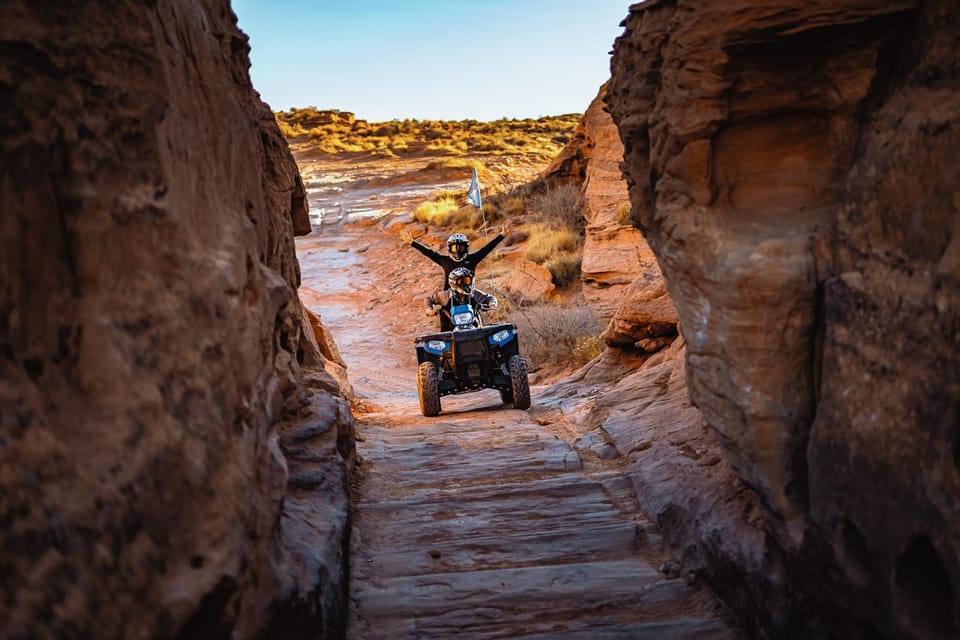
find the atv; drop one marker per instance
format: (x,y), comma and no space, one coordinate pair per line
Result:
(469,358)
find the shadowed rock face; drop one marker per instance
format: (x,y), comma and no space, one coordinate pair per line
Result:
(151,340)
(794,165)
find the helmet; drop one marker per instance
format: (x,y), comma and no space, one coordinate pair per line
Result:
(461,281)
(458,246)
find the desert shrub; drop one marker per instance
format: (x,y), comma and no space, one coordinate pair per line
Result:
(289,130)
(512,207)
(554,334)
(436,212)
(565,268)
(468,217)
(623,213)
(387,129)
(558,204)
(587,348)
(546,241)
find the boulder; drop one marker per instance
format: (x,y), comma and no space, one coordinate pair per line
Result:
(529,281)
(646,311)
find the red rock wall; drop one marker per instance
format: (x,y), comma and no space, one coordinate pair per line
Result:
(151,337)
(794,167)
(614,252)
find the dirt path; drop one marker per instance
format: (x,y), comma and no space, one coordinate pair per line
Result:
(483,522)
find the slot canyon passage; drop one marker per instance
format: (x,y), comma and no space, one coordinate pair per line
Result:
(210,429)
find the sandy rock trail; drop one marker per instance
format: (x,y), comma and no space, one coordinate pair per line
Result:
(482,522)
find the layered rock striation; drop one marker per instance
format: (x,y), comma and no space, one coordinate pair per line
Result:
(614,252)
(164,470)
(793,166)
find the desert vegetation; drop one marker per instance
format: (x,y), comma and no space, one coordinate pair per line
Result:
(332,131)
(556,335)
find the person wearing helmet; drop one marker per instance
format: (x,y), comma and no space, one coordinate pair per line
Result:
(460,289)
(458,247)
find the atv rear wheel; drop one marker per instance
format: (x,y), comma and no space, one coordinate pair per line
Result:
(519,382)
(428,388)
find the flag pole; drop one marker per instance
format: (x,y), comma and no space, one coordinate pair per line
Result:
(473,195)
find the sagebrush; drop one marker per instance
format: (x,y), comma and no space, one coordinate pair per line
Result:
(560,335)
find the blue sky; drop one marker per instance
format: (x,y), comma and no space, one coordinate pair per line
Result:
(431,59)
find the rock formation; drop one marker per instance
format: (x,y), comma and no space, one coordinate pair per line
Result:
(793,166)
(157,442)
(614,252)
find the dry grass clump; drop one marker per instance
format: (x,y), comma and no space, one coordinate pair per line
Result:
(554,334)
(456,164)
(467,218)
(549,242)
(445,211)
(623,213)
(565,268)
(558,204)
(587,348)
(289,130)
(436,212)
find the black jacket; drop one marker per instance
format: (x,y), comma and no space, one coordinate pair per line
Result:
(449,264)
(442,298)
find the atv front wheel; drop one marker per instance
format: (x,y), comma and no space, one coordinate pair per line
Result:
(519,382)
(428,388)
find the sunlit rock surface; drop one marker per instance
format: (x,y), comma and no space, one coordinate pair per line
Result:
(794,165)
(151,339)
(614,252)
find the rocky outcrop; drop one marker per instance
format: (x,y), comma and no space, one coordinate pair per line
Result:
(614,252)
(528,281)
(793,166)
(151,340)
(646,315)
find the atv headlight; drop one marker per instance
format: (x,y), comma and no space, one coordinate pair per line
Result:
(501,336)
(463,318)
(436,346)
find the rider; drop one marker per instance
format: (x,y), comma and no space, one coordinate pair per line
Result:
(459,248)
(461,290)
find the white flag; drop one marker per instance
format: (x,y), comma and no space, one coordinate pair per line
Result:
(473,193)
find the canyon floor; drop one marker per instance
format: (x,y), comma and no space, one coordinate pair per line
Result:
(486,521)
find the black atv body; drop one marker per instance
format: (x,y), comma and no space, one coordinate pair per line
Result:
(471,358)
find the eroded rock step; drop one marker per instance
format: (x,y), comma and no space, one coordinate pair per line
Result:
(483,525)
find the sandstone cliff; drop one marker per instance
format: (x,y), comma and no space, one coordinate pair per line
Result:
(614,252)
(794,167)
(157,443)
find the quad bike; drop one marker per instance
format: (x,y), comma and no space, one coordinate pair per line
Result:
(470,358)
